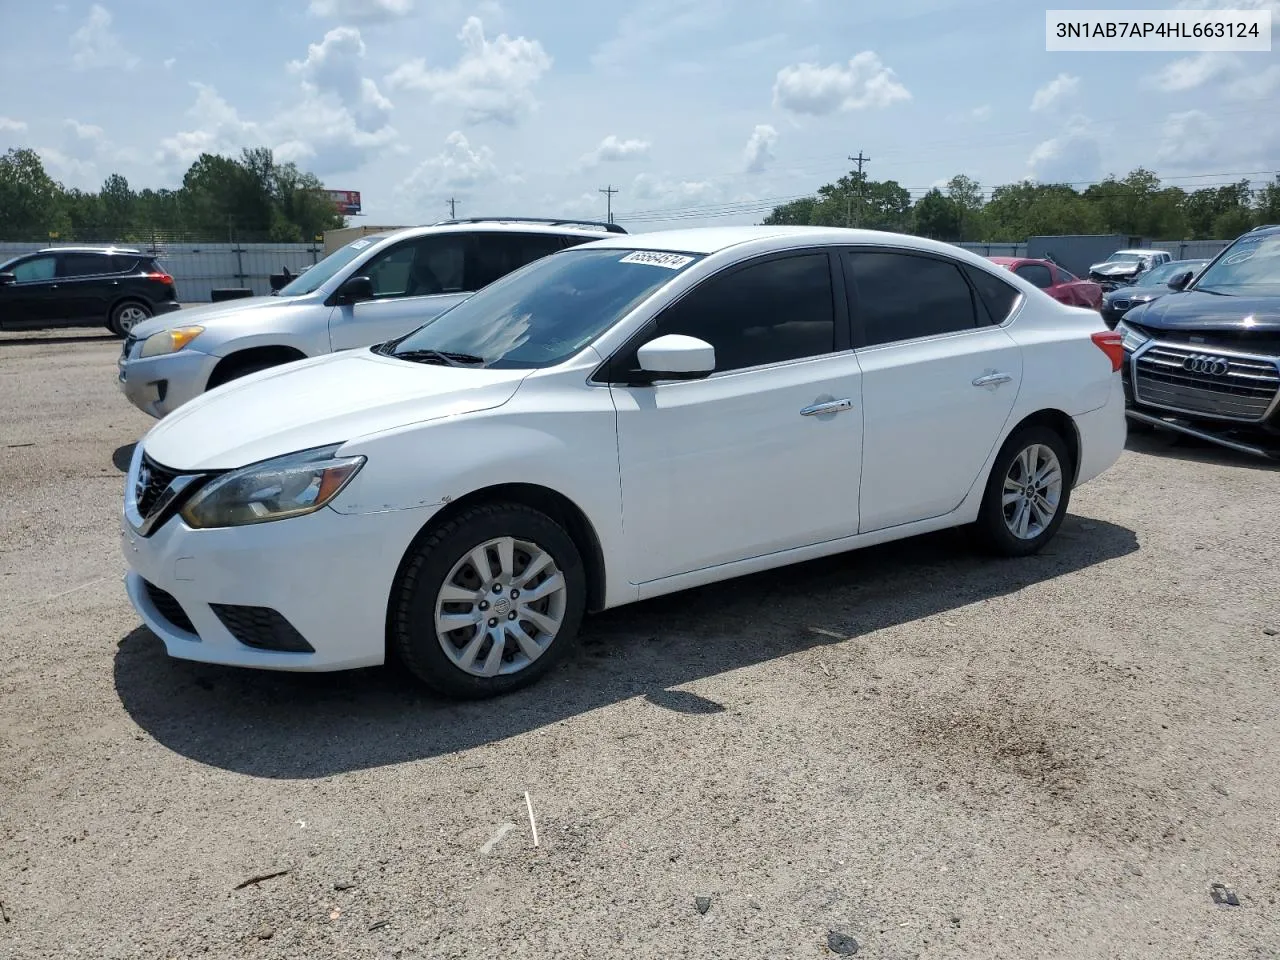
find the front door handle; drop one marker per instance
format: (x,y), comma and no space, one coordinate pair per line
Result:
(993,379)
(830,406)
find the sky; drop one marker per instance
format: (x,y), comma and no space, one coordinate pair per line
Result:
(697,111)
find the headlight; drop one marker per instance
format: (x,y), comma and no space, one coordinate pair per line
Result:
(169,341)
(1130,339)
(273,490)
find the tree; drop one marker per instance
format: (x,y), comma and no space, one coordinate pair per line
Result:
(29,198)
(116,203)
(1204,208)
(937,216)
(1232,222)
(966,193)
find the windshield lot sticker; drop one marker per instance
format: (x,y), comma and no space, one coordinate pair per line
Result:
(360,244)
(672,261)
(1240,257)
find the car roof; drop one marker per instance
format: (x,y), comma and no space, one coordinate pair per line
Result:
(1140,250)
(493,226)
(79,249)
(709,240)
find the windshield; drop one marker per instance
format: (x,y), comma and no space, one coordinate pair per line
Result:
(1167,271)
(1250,267)
(1124,258)
(547,311)
(315,277)
(5,264)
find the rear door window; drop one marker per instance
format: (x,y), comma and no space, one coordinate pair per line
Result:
(997,297)
(83,265)
(1036,273)
(902,296)
(494,255)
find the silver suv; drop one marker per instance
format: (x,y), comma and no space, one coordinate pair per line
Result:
(372,290)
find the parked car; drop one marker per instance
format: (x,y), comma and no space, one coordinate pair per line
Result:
(373,289)
(118,287)
(1148,287)
(1058,283)
(1205,361)
(1125,266)
(610,423)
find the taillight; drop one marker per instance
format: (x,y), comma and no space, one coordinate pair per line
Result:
(159,277)
(1112,344)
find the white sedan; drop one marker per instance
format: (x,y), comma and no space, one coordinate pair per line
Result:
(617,421)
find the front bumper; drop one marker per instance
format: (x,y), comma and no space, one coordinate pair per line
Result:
(159,385)
(328,575)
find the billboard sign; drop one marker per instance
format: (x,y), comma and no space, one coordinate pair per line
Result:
(347,201)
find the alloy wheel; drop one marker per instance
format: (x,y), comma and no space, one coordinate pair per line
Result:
(129,317)
(1032,491)
(500,608)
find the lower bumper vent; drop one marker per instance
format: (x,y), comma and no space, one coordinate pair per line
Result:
(261,628)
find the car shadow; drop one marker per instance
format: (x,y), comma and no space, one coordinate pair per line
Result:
(1181,446)
(38,341)
(121,457)
(284,725)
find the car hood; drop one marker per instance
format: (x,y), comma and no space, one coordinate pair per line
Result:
(312,403)
(249,309)
(1122,268)
(1193,310)
(1137,294)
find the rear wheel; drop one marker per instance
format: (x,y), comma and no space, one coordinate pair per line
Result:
(125,316)
(1027,493)
(489,602)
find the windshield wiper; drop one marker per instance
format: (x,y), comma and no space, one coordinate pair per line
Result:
(439,356)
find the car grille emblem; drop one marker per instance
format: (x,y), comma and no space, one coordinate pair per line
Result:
(1202,363)
(143,481)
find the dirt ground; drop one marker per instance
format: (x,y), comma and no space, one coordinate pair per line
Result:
(936,754)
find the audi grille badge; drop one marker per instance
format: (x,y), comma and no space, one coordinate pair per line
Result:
(1202,363)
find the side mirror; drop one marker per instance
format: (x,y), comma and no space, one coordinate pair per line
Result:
(1180,281)
(354,289)
(7,278)
(677,357)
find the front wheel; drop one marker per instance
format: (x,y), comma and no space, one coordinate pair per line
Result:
(489,602)
(1027,493)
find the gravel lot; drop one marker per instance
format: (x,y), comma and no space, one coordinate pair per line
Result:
(937,754)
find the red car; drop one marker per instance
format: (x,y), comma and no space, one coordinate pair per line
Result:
(1055,281)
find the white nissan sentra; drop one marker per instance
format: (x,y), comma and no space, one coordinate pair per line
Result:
(613,422)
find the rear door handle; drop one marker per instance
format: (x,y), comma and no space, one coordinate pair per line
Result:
(993,379)
(830,406)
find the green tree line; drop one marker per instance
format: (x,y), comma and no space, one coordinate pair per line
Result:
(1136,205)
(249,198)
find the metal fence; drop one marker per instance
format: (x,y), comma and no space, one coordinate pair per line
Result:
(994,249)
(200,268)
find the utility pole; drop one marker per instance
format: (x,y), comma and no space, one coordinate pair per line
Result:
(609,191)
(453,211)
(859,160)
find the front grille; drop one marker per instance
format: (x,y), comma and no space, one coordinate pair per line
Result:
(169,608)
(261,628)
(125,350)
(1121,305)
(157,480)
(1245,391)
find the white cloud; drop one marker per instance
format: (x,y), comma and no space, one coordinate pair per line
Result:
(1073,156)
(1255,86)
(458,168)
(333,66)
(1188,73)
(649,27)
(221,130)
(758,152)
(366,11)
(613,150)
(1188,139)
(83,147)
(653,189)
(864,83)
(169,62)
(493,80)
(8,125)
(980,114)
(1061,86)
(95,44)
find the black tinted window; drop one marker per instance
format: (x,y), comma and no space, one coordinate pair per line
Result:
(900,296)
(125,263)
(84,264)
(418,268)
(766,313)
(495,255)
(996,296)
(1036,273)
(1064,277)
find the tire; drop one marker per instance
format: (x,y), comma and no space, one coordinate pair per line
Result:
(444,559)
(126,315)
(997,521)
